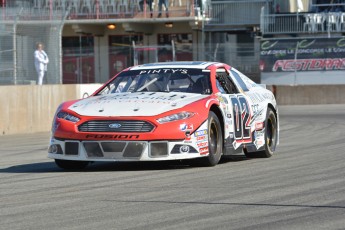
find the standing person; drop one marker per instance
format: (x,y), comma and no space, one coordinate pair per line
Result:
(160,3)
(149,3)
(41,61)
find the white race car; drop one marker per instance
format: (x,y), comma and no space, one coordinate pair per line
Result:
(198,111)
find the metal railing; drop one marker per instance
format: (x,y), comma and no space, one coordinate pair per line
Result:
(96,9)
(245,12)
(332,22)
(330,7)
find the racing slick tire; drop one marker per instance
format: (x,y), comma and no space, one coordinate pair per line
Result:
(271,137)
(215,143)
(71,165)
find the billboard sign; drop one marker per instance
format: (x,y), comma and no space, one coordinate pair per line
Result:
(303,61)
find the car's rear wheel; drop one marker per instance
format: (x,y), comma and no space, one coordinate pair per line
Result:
(71,165)
(215,142)
(271,137)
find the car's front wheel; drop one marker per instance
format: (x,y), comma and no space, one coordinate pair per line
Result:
(215,142)
(71,165)
(271,137)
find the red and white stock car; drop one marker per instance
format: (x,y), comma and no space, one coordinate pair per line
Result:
(167,111)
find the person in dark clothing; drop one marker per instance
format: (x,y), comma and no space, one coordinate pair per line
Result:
(149,3)
(160,4)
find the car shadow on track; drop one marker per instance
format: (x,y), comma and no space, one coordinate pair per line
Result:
(42,167)
(49,167)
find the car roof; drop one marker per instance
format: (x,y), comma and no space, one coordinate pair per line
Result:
(177,64)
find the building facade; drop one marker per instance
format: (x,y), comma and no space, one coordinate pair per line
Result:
(90,41)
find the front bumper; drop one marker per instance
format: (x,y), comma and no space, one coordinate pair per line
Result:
(126,150)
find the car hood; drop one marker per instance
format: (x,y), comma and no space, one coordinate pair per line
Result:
(133,104)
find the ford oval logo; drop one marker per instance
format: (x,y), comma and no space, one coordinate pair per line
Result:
(114,126)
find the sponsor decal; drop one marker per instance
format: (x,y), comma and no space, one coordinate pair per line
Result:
(259,143)
(220,98)
(202,144)
(309,64)
(259,125)
(259,138)
(255,108)
(201,138)
(156,71)
(188,138)
(200,133)
(187,133)
(256,99)
(203,151)
(114,126)
(259,134)
(128,98)
(187,141)
(186,127)
(184,149)
(223,101)
(108,136)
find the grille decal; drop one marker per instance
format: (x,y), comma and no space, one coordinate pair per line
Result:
(128,126)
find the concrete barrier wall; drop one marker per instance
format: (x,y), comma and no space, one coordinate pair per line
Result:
(30,108)
(309,95)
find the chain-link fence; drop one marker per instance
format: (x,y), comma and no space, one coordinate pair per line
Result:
(243,53)
(90,61)
(88,58)
(21,30)
(243,56)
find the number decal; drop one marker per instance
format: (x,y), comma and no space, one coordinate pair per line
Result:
(242,117)
(237,117)
(245,117)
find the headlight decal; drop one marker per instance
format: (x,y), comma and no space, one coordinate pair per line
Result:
(67,117)
(175,117)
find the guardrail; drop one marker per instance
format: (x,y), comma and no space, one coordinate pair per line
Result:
(93,9)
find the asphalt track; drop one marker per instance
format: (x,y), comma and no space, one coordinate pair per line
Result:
(301,187)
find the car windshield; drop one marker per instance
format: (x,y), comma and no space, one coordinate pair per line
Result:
(160,80)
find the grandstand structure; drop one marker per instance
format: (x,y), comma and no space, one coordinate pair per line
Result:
(89,41)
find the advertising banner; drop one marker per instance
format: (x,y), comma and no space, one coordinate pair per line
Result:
(303,61)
